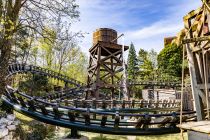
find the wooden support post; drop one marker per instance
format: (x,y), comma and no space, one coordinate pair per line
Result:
(112,78)
(98,73)
(195,91)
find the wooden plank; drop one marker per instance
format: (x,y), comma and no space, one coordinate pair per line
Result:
(111,55)
(204,129)
(200,66)
(195,39)
(190,125)
(110,63)
(108,45)
(193,13)
(194,84)
(98,73)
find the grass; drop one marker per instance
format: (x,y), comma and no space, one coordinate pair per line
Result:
(24,120)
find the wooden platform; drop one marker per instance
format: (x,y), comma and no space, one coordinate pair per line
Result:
(201,126)
(197,130)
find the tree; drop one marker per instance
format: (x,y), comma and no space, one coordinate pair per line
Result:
(153,58)
(147,64)
(33,15)
(35,85)
(77,67)
(132,63)
(170,60)
(46,47)
(23,43)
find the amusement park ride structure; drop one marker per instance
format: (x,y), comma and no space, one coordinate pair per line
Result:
(76,109)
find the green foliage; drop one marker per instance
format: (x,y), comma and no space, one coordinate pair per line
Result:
(22,46)
(34,130)
(148,63)
(36,85)
(170,60)
(2,109)
(77,68)
(153,58)
(47,44)
(38,131)
(22,22)
(132,62)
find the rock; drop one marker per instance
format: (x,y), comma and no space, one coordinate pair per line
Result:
(2,126)
(11,127)
(4,132)
(3,121)
(11,117)
(10,136)
(10,122)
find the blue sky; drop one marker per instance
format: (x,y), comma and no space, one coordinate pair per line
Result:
(144,22)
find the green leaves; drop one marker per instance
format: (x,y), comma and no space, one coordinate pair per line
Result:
(35,84)
(147,63)
(170,60)
(132,62)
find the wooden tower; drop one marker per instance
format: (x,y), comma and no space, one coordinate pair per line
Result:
(196,42)
(105,62)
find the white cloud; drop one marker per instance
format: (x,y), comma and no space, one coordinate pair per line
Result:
(153,30)
(152,36)
(96,14)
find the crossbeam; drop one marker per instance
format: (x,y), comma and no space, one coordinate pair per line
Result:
(196,39)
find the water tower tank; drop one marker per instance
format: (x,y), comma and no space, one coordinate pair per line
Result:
(104,34)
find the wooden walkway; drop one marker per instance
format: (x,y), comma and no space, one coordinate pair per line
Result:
(201,126)
(197,130)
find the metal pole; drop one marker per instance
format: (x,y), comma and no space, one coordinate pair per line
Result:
(117,37)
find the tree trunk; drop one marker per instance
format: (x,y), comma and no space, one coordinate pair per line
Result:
(4,62)
(11,17)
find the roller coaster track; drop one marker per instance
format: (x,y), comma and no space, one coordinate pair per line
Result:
(22,68)
(101,116)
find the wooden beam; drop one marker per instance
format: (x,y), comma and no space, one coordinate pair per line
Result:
(200,66)
(194,84)
(98,73)
(111,55)
(196,39)
(112,64)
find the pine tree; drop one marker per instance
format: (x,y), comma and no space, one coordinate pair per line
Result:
(132,62)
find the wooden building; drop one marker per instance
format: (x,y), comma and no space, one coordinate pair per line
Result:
(169,94)
(168,40)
